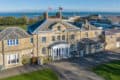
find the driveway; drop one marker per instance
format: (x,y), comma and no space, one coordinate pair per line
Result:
(72,69)
(80,68)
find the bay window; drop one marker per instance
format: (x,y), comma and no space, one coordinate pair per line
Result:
(13,58)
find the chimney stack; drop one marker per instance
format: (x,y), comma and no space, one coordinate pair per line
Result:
(59,14)
(46,16)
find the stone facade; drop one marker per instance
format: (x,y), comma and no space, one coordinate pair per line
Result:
(112,39)
(52,38)
(14,47)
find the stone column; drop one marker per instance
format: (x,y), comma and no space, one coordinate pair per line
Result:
(68,52)
(64,53)
(58,53)
(53,53)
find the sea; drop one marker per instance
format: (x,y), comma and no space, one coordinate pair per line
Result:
(66,14)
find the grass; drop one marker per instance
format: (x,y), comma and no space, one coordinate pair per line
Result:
(21,26)
(45,74)
(110,71)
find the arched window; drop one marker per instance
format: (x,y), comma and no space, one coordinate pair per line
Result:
(59,28)
(72,36)
(58,37)
(43,50)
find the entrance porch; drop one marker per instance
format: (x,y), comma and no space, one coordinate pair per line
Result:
(59,51)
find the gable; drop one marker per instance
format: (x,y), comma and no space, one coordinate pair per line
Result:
(47,25)
(13,33)
(58,27)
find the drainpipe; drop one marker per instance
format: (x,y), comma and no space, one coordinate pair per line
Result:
(3,53)
(37,51)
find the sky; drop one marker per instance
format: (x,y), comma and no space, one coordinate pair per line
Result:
(76,5)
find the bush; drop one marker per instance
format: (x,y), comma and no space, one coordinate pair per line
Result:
(34,60)
(25,61)
(1,67)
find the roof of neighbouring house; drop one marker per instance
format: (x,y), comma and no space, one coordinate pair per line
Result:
(118,39)
(13,33)
(112,31)
(90,41)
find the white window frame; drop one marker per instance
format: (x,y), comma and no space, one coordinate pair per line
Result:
(12,42)
(13,57)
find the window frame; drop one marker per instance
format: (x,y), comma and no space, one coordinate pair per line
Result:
(12,42)
(31,40)
(63,37)
(59,37)
(44,50)
(43,39)
(72,37)
(58,28)
(12,59)
(53,38)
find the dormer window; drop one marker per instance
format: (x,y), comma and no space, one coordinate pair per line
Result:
(59,28)
(12,42)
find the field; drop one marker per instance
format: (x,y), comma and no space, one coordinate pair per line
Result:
(110,71)
(45,74)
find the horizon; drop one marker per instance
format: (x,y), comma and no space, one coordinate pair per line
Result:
(53,11)
(69,5)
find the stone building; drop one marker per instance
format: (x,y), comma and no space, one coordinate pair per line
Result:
(112,39)
(57,39)
(52,38)
(14,45)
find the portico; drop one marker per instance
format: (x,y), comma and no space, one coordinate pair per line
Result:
(59,51)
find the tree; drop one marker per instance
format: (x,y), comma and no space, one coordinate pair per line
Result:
(22,21)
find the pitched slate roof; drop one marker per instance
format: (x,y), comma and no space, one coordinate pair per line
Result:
(90,41)
(13,33)
(46,24)
(112,31)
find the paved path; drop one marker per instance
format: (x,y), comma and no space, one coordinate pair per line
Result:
(19,70)
(80,68)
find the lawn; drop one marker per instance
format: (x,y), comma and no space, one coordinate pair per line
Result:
(110,71)
(45,74)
